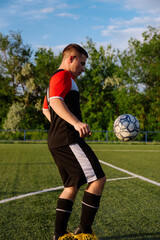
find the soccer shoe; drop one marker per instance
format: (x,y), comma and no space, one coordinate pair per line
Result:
(84,236)
(66,236)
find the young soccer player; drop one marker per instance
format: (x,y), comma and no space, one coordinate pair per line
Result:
(75,160)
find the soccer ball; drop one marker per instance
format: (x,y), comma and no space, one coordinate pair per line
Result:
(126,127)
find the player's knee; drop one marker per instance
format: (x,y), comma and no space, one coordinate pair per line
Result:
(69,193)
(103,181)
(97,186)
(100,182)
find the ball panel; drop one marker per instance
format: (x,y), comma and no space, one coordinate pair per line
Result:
(126,139)
(125,134)
(131,127)
(134,134)
(118,135)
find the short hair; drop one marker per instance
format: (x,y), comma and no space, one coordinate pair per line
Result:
(74,48)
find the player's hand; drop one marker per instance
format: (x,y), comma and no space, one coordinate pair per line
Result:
(83,129)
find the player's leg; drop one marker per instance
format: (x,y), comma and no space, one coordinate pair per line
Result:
(92,195)
(63,212)
(72,177)
(97,186)
(90,206)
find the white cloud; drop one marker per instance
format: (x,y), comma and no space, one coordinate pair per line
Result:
(137,21)
(106,1)
(127,32)
(68,15)
(56,49)
(120,31)
(119,37)
(150,6)
(59,48)
(37,14)
(27,9)
(47,10)
(32,10)
(62,6)
(109,30)
(143,6)
(28,1)
(45,36)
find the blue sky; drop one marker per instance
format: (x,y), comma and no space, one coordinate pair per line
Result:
(56,23)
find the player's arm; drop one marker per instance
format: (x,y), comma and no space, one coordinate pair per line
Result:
(45,109)
(46,112)
(59,106)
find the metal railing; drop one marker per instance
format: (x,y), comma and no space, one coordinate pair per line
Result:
(97,135)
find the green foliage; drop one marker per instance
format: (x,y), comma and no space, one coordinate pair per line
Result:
(24,81)
(141,61)
(97,100)
(114,82)
(14,116)
(14,55)
(45,65)
(5,99)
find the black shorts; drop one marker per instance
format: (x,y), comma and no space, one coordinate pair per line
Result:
(77,164)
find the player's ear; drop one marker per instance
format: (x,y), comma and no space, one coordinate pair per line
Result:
(71,59)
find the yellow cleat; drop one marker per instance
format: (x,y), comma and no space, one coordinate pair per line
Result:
(66,236)
(86,236)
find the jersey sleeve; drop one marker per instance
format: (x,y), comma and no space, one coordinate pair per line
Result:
(60,85)
(45,104)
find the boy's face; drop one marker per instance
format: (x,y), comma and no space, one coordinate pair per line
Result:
(77,64)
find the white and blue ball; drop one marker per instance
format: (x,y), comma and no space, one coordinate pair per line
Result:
(126,127)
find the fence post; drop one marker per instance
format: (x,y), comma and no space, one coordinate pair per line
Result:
(106,136)
(146,136)
(24,136)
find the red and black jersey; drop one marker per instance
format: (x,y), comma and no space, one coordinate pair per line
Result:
(62,85)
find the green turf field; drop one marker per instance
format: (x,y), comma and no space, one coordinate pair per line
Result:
(130,206)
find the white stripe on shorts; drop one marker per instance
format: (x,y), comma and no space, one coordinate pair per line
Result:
(84,162)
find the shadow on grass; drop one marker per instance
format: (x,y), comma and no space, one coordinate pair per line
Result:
(143,236)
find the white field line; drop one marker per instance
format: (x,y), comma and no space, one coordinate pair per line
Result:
(130,173)
(61,187)
(50,190)
(122,178)
(124,150)
(30,194)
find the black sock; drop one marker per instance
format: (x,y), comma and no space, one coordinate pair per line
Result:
(90,205)
(63,212)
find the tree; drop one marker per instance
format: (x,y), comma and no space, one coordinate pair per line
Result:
(97,98)
(45,64)
(114,82)
(5,99)
(24,80)
(141,62)
(13,56)
(14,116)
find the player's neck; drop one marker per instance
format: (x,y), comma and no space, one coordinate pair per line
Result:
(64,66)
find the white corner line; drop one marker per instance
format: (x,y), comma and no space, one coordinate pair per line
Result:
(130,173)
(30,194)
(49,190)
(121,178)
(61,187)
